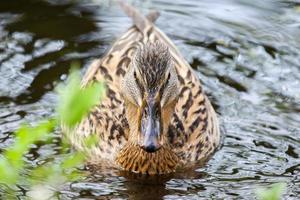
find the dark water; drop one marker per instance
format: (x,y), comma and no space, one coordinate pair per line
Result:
(247,54)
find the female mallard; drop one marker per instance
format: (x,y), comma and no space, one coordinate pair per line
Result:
(155,116)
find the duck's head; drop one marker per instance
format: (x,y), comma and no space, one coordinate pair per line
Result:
(150,91)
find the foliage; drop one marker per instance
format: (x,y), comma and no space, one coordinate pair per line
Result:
(11,163)
(74,104)
(273,193)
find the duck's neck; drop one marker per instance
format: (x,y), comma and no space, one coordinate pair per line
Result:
(132,158)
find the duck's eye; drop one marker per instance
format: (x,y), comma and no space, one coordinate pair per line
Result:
(168,79)
(134,74)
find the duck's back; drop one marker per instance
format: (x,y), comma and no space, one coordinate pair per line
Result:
(194,130)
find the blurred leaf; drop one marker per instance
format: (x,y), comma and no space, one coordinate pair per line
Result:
(43,172)
(25,137)
(8,174)
(75,102)
(273,193)
(91,141)
(12,161)
(75,175)
(73,160)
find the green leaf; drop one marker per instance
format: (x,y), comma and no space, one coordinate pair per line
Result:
(73,160)
(75,102)
(25,137)
(43,172)
(8,174)
(12,161)
(91,140)
(273,193)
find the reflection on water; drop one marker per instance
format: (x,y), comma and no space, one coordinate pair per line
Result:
(246,54)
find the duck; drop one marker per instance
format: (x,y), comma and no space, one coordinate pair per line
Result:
(155,117)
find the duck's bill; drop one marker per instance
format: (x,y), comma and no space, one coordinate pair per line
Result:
(150,130)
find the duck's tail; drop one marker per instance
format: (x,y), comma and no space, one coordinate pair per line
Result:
(139,20)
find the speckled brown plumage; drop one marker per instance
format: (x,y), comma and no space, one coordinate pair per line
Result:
(193,133)
(133,158)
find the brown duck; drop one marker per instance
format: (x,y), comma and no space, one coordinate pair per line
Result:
(155,116)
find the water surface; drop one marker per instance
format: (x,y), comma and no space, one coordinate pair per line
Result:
(246,53)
